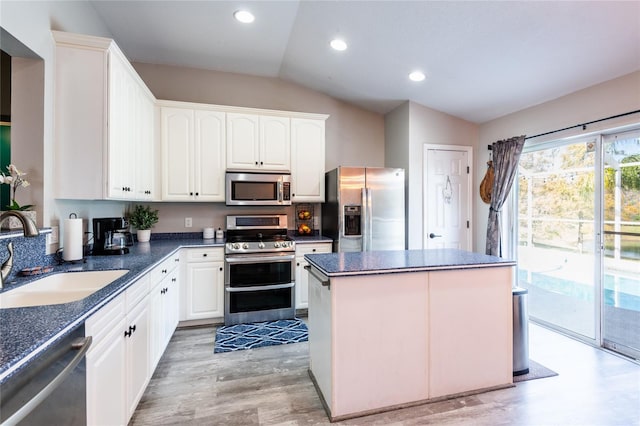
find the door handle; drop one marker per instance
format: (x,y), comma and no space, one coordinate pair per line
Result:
(432,235)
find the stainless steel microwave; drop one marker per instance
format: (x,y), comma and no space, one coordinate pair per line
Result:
(258,189)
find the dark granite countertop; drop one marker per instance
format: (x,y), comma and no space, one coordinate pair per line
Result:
(25,332)
(394,261)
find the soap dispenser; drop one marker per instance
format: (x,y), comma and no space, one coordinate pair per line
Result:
(219,234)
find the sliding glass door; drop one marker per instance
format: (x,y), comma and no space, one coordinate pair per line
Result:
(579,237)
(621,275)
(556,241)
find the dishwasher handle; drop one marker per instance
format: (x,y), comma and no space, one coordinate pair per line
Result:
(80,345)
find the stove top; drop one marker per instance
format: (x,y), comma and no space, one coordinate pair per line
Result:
(258,233)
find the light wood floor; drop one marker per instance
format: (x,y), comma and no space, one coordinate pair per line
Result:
(270,386)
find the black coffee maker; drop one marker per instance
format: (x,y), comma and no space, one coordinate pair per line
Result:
(111,236)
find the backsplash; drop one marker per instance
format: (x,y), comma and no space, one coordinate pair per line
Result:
(27,252)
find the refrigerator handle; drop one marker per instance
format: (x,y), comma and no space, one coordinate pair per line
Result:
(368,219)
(364,219)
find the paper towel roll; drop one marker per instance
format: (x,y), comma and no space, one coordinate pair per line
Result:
(72,249)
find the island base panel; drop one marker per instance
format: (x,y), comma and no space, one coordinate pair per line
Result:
(379,341)
(471,333)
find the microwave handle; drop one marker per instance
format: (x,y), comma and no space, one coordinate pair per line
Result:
(280,191)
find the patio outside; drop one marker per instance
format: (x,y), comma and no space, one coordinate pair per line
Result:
(557,252)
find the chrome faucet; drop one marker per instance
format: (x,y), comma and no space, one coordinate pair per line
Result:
(30,230)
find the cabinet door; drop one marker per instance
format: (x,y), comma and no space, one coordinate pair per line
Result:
(145,155)
(209,160)
(307,160)
(302,276)
(106,385)
(137,342)
(302,284)
(171,305)
(243,136)
(120,141)
(156,326)
(275,143)
(205,290)
(177,146)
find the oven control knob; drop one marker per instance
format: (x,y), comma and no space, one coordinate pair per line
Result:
(245,246)
(261,245)
(236,246)
(276,244)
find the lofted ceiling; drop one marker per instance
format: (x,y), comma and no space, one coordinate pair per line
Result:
(482,59)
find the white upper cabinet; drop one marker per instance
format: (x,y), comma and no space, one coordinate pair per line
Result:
(307,160)
(258,142)
(193,152)
(103,122)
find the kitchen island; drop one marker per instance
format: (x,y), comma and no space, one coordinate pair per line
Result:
(390,329)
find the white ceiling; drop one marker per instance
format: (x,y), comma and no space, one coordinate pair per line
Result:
(482,59)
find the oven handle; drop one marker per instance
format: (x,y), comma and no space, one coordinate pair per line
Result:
(258,288)
(260,258)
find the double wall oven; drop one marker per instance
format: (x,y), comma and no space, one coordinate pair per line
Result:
(259,272)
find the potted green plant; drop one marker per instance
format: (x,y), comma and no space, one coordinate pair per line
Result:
(143,218)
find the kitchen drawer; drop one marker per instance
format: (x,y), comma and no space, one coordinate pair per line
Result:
(205,255)
(165,267)
(106,319)
(137,291)
(302,249)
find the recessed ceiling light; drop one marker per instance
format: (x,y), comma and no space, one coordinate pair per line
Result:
(244,16)
(417,76)
(338,44)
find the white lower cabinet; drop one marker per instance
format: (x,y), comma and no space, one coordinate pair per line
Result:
(203,290)
(118,361)
(130,333)
(106,366)
(164,301)
(302,279)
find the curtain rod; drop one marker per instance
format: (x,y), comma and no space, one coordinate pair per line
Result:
(583,125)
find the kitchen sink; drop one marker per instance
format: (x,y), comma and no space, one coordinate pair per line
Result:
(59,288)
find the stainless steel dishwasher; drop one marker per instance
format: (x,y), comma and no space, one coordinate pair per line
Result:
(52,389)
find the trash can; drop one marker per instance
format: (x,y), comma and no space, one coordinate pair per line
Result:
(520,331)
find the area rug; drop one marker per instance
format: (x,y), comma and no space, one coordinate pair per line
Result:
(536,371)
(248,336)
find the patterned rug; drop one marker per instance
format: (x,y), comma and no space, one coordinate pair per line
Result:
(248,336)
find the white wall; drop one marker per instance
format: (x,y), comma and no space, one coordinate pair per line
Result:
(425,126)
(607,99)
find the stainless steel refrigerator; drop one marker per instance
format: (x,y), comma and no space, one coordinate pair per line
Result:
(364,209)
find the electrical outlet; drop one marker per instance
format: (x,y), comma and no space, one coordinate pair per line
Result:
(188,223)
(54,236)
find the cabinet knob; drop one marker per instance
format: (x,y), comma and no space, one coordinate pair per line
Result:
(197,193)
(127,333)
(313,250)
(221,268)
(298,264)
(261,163)
(204,255)
(173,280)
(256,163)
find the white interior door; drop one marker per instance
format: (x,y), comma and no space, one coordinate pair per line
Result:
(447,197)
